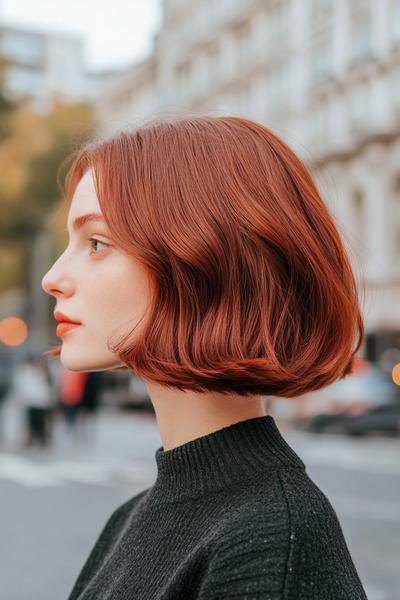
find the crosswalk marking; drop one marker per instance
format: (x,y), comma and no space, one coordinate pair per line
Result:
(31,473)
(367,455)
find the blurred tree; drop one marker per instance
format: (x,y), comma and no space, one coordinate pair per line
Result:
(7,105)
(49,141)
(31,159)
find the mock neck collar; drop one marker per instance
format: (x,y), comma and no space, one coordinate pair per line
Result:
(222,458)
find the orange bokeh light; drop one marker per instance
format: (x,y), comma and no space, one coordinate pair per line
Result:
(396,374)
(13,331)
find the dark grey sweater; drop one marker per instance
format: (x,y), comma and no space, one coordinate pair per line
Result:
(232,514)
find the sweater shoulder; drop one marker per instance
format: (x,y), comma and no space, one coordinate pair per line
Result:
(319,564)
(285,541)
(309,509)
(261,503)
(283,500)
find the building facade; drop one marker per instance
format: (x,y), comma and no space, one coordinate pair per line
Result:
(322,74)
(42,64)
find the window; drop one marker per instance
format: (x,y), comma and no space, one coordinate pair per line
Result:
(182,74)
(395,85)
(321,58)
(319,124)
(359,106)
(278,87)
(322,25)
(25,48)
(395,218)
(361,29)
(213,62)
(278,25)
(395,19)
(359,225)
(242,42)
(21,80)
(322,13)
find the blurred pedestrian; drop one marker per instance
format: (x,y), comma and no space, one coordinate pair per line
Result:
(72,384)
(31,386)
(89,404)
(5,382)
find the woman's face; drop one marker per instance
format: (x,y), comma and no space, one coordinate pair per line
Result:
(96,284)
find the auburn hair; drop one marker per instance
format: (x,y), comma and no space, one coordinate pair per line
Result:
(251,289)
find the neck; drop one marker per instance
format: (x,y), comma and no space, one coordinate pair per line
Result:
(185,416)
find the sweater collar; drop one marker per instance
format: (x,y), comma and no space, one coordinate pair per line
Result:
(223,457)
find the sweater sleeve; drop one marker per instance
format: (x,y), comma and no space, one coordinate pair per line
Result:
(98,553)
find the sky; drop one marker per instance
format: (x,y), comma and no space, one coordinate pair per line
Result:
(117,32)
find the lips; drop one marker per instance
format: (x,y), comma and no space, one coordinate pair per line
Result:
(61,318)
(65,324)
(63,328)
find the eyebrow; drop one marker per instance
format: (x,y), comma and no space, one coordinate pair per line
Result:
(80,221)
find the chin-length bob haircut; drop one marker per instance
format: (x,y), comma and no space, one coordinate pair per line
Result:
(251,289)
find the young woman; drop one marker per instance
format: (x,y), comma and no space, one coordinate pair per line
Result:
(202,258)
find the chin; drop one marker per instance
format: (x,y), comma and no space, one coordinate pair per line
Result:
(85,361)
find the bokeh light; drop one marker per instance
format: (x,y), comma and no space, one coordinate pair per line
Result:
(396,374)
(13,331)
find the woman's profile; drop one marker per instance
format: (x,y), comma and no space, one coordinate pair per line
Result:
(202,258)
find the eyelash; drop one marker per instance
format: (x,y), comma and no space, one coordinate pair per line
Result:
(91,240)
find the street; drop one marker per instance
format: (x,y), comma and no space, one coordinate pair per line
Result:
(55,502)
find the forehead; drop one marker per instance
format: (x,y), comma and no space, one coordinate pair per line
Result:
(85,198)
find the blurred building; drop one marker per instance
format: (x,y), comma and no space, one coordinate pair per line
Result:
(322,74)
(42,64)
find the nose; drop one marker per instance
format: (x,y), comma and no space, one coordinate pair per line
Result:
(56,281)
(47,285)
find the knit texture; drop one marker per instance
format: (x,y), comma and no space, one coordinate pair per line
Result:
(232,514)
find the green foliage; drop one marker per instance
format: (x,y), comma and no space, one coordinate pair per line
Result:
(33,149)
(68,126)
(7,106)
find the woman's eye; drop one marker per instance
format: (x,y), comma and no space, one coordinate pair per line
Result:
(95,241)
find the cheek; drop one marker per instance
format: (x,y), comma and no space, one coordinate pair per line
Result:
(119,295)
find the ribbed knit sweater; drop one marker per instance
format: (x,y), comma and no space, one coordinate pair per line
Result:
(232,514)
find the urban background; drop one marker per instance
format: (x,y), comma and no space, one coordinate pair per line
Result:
(322,74)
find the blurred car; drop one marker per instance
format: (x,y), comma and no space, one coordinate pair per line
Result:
(122,389)
(137,396)
(367,401)
(384,418)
